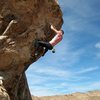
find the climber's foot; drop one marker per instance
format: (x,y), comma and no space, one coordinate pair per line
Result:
(53,50)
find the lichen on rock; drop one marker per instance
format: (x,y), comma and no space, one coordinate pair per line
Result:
(22,22)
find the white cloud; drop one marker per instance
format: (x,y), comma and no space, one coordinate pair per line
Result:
(64,88)
(35,79)
(46,85)
(87,70)
(50,71)
(97,45)
(85,11)
(80,18)
(98,55)
(96,85)
(71,88)
(43,92)
(87,87)
(42,75)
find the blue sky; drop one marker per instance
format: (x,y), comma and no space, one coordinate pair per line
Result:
(75,67)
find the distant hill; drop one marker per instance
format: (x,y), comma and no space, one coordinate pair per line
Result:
(91,95)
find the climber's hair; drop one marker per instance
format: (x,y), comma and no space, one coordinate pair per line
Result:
(62,31)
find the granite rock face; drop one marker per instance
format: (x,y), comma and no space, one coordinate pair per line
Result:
(22,22)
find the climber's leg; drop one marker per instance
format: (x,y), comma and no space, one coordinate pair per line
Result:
(45,44)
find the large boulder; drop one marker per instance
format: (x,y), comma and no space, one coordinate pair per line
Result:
(22,22)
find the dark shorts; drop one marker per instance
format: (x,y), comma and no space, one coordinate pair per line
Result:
(45,44)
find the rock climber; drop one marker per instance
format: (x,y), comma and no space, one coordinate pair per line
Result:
(49,45)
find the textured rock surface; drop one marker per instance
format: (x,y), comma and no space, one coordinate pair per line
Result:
(93,95)
(21,23)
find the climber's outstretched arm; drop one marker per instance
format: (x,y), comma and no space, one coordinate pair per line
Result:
(54,29)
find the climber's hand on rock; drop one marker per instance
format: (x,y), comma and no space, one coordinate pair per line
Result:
(52,27)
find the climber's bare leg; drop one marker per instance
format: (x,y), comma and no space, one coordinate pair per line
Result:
(45,44)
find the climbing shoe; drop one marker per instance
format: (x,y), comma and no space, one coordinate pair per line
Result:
(53,50)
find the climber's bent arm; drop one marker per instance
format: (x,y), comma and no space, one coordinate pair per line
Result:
(54,29)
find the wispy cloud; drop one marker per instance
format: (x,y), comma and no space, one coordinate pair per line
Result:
(49,71)
(80,18)
(64,88)
(87,70)
(98,55)
(77,7)
(39,71)
(86,87)
(41,92)
(97,45)
(96,84)
(44,78)
(43,75)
